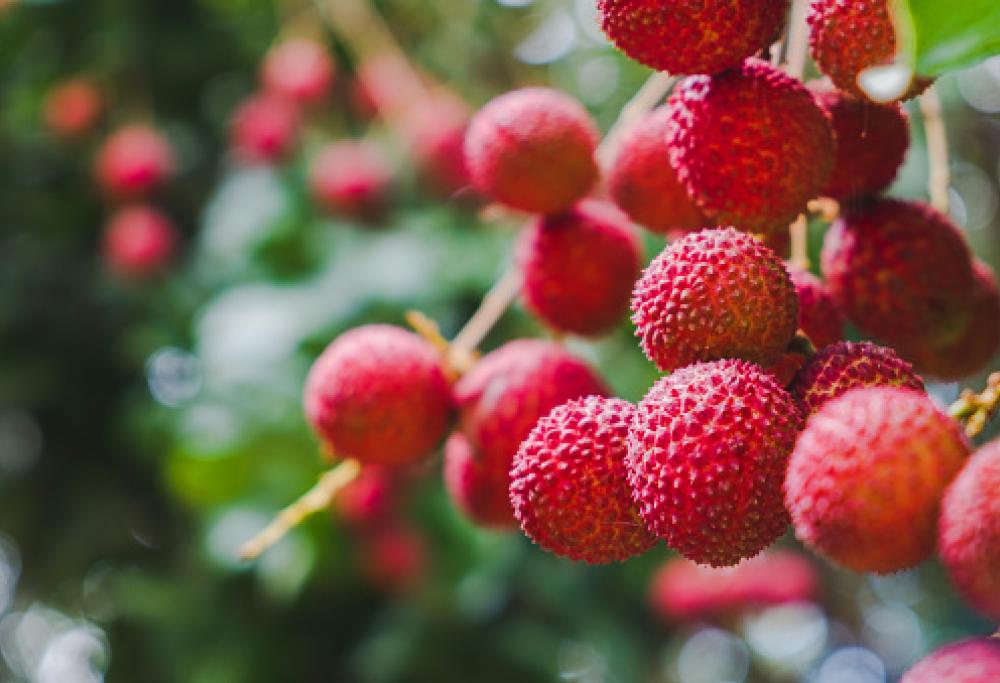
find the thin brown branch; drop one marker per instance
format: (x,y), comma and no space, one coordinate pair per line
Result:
(938,164)
(461,355)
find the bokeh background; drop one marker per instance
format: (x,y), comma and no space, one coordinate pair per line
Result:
(147,428)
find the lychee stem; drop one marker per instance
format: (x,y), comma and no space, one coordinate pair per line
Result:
(315,499)
(799,231)
(492,307)
(656,87)
(975,410)
(939,174)
(826,208)
(798,40)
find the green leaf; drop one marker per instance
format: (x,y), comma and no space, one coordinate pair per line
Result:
(938,36)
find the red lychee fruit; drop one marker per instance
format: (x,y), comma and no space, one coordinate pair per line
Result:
(133,161)
(683,591)
(644,184)
(578,267)
(378,394)
(706,458)
(751,145)
(819,318)
(976,660)
(846,38)
(395,557)
(298,70)
(969,531)
(714,294)
(568,483)
(478,486)
(691,37)
(843,366)
(435,131)
(900,270)
(139,242)
(972,350)
(351,178)
(871,144)
(72,108)
(264,129)
(865,481)
(533,150)
(368,499)
(500,400)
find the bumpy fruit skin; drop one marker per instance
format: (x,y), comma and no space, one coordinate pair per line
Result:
(578,267)
(871,144)
(706,458)
(568,483)
(644,184)
(139,242)
(838,368)
(533,150)
(264,129)
(351,178)
(900,270)
(133,161)
(300,71)
(500,400)
(378,394)
(819,318)
(970,661)
(847,37)
(714,294)
(477,486)
(682,590)
(969,531)
(865,481)
(72,108)
(751,145)
(691,37)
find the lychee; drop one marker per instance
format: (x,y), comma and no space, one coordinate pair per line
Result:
(714,294)
(751,145)
(644,184)
(976,660)
(298,70)
(139,241)
(706,458)
(351,178)
(533,150)
(395,557)
(72,108)
(133,161)
(900,270)
(819,318)
(435,130)
(370,498)
(378,394)
(264,129)
(969,531)
(478,486)
(578,267)
(843,366)
(568,483)
(866,478)
(691,37)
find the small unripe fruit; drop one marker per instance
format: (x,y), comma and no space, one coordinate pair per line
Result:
(378,394)
(691,37)
(578,267)
(751,145)
(871,144)
(819,318)
(714,294)
(837,369)
(300,71)
(644,184)
(971,661)
(969,531)
(707,454)
(569,487)
(478,486)
(533,150)
(139,242)
(900,270)
(72,108)
(846,38)
(865,481)
(264,129)
(133,161)
(351,178)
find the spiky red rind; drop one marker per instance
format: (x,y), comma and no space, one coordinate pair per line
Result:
(867,475)
(568,483)
(819,318)
(477,486)
(976,660)
(707,455)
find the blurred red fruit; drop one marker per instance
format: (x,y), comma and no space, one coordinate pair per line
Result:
(139,242)
(819,318)
(395,557)
(351,178)
(264,129)
(478,486)
(300,71)
(133,161)
(369,498)
(72,108)
(435,131)
(970,661)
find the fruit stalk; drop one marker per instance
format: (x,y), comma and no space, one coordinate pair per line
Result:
(939,175)
(496,301)
(975,410)
(656,87)
(798,40)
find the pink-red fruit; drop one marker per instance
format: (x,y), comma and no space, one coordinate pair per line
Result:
(72,108)
(139,242)
(435,130)
(691,37)
(707,455)
(378,394)
(133,161)
(819,318)
(264,129)
(867,475)
(578,267)
(971,661)
(714,294)
(533,150)
(300,71)
(568,483)
(394,557)
(351,178)
(478,485)
(751,145)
